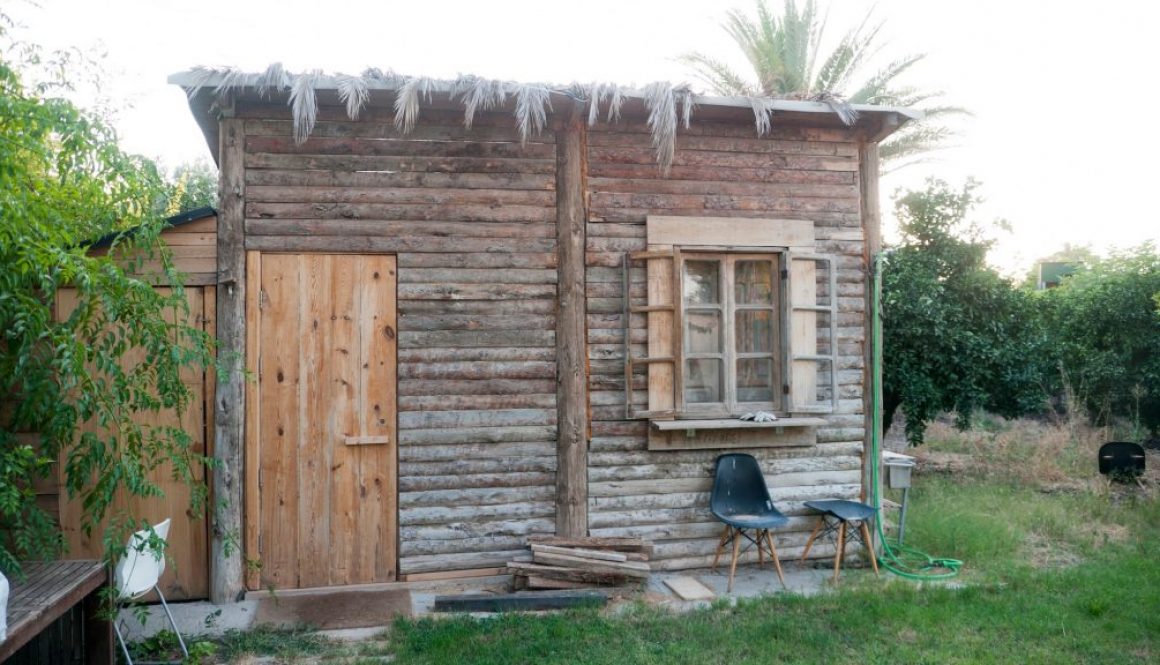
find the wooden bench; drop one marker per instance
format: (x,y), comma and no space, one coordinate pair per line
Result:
(55,615)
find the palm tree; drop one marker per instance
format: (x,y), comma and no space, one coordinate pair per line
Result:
(785,52)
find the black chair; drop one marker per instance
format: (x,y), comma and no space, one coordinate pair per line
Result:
(1122,460)
(741,500)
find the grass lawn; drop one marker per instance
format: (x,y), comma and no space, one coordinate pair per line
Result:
(1105,609)
(1058,569)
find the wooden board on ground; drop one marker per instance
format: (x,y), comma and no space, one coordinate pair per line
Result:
(560,573)
(524,601)
(594,543)
(689,589)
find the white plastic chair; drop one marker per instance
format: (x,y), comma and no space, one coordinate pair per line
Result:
(138,573)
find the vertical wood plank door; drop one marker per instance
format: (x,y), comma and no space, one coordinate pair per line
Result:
(326,420)
(187,569)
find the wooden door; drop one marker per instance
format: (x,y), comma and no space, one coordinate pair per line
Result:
(187,570)
(324,419)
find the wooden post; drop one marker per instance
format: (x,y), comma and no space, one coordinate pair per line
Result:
(872,231)
(571,337)
(226,555)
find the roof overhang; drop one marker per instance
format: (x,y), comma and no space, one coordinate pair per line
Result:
(208,93)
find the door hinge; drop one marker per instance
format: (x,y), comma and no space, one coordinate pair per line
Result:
(263,299)
(784,273)
(785,389)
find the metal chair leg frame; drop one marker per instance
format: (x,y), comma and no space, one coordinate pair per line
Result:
(172,623)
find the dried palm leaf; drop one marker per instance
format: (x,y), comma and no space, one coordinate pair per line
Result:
(533,102)
(275,79)
(841,107)
(407,102)
(352,90)
(202,75)
(686,99)
(660,100)
(762,114)
(304,104)
(478,94)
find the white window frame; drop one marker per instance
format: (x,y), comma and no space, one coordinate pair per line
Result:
(728,356)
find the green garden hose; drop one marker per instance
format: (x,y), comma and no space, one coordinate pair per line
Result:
(899,559)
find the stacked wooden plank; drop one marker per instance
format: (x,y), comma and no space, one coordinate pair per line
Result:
(578,563)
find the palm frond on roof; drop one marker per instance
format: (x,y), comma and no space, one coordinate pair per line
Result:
(668,106)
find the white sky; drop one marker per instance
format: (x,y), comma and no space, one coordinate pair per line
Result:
(1063,92)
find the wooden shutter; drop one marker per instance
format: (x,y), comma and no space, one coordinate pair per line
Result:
(663,310)
(812,366)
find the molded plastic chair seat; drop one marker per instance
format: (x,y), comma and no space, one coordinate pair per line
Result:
(741,500)
(850,511)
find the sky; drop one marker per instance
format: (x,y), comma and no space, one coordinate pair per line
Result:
(1062,93)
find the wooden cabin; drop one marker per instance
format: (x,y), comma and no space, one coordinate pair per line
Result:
(464,335)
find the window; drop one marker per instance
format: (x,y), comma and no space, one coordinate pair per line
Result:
(741,316)
(731,333)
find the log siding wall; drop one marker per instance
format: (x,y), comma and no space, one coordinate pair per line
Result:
(471,216)
(720,170)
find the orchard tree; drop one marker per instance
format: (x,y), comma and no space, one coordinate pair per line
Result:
(957,336)
(1105,331)
(65,392)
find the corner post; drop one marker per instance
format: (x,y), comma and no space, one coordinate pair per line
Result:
(226,556)
(872,232)
(571,324)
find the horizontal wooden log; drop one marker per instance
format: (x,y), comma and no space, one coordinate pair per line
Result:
(397,147)
(475,471)
(419,339)
(707,173)
(376,244)
(540,306)
(491,512)
(639,215)
(425,547)
(725,129)
(477,261)
(444,355)
(478,321)
(432,452)
(472,402)
(738,188)
(311,194)
(513,231)
(418,164)
(445,436)
(477,276)
(750,144)
(484,385)
(477,529)
(412,420)
(710,202)
(457,561)
(474,480)
(646,155)
(388,179)
(478,370)
(475,291)
(451,212)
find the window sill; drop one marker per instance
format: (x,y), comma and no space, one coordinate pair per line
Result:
(733,423)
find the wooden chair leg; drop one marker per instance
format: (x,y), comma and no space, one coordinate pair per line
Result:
(773,555)
(761,548)
(841,549)
(813,534)
(733,565)
(869,547)
(721,547)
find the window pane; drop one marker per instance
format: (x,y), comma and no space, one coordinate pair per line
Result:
(703,332)
(755,380)
(753,282)
(703,381)
(755,331)
(702,282)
